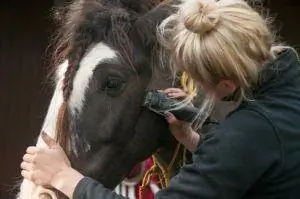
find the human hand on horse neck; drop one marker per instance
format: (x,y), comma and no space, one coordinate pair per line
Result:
(50,167)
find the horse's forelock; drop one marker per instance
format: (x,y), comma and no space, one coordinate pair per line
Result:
(89,18)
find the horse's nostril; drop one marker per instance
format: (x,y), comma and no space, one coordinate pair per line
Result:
(45,196)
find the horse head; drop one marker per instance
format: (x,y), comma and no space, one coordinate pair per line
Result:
(107,55)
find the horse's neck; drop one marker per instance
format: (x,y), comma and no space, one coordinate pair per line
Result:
(172,157)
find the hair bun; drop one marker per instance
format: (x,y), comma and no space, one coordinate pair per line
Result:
(201,18)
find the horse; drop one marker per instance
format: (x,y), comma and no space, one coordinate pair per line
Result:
(107,58)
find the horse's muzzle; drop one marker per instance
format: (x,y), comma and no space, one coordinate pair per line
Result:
(159,102)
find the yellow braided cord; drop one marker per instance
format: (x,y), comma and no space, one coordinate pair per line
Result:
(147,176)
(183,81)
(174,157)
(146,180)
(188,84)
(157,169)
(161,180)
(163,174)
(163,171)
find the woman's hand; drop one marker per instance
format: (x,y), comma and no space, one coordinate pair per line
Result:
(41,165)
(50,167)
(183,132)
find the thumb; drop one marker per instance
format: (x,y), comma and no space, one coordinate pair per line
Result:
(48,140)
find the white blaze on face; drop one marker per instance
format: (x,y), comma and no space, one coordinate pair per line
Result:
(98,54)
(90,61)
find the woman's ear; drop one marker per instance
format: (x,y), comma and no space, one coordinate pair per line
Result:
(229,85)
(225,88)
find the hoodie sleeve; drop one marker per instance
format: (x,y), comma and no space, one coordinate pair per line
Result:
(88,188)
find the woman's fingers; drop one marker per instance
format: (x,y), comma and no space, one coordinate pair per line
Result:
(26,166)
(32,150)
(171,90)
(175,93)
(27,175)
(28,158)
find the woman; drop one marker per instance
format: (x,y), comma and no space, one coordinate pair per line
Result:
(226,47)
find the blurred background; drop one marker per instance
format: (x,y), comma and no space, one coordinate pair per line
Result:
(25,34)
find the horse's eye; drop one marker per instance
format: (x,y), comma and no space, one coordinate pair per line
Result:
(113,84)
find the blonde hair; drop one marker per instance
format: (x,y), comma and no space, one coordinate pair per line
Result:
(212,41)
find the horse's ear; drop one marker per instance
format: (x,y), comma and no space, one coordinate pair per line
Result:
(144,28)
